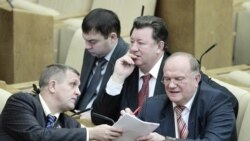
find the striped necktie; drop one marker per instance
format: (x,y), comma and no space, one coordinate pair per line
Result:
(92,86)
(143,93)
(182,127)
(50,121)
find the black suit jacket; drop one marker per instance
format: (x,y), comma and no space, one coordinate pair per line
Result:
(89,64)
(111,106)
(23,119)
(211,117)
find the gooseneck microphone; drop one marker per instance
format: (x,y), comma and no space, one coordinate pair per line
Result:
(210,48)
(142,10)
(9,2)
(109,120)
(81,111)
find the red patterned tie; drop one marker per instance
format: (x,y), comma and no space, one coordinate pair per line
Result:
(143,93)
(182,127)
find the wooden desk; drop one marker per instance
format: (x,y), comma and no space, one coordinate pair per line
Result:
(7,87)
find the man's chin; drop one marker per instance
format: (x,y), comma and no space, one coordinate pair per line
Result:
(137,62)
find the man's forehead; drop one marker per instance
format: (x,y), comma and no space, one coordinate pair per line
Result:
(92,33)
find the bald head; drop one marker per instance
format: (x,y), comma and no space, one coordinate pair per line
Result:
(185,60)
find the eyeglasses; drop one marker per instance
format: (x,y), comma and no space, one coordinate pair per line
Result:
(176,80)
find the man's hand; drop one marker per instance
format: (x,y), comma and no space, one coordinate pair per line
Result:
(104,133)
(151,137)
(124,66)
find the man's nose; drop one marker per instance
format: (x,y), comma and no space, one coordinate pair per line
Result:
(78,92)
(133,47)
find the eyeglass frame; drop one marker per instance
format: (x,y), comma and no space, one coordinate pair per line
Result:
(177,80)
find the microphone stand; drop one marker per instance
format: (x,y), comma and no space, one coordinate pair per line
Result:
(210,48)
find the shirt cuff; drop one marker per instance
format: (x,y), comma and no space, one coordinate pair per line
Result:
(113,88)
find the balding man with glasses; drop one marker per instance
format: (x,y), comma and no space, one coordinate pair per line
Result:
(191,109)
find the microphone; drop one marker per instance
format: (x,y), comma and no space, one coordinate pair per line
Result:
(81,111)
(142,10)
(9,2)
(210,48)
(109,120)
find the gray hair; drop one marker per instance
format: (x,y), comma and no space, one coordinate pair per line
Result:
(55,71)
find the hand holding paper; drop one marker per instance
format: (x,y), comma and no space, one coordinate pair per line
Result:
(133,127)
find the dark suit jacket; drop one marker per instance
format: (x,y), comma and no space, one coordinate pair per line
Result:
(23,119)
(233,99)
(89,64)
(111,106)
(211,117)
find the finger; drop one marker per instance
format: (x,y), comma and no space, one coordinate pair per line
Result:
(128,110)
(128,58)
(115,134)
(127,61)
(123,112)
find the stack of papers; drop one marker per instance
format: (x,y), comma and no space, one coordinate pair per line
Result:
(133,127)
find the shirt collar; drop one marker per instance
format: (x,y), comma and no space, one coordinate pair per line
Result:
(46,108)
(154,71)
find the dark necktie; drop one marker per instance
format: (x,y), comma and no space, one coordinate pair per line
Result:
(50,121)
(182,127)
(91,89)
(143,93)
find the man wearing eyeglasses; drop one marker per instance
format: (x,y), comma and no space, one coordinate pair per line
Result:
(191,109)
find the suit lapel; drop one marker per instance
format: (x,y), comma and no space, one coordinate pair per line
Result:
(159,88)
(119,51)
(40,115)
(167,120)
(192,126)
(88,64)
(130,92)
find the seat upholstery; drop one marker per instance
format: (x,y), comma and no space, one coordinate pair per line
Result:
(76,51)
(4,95)
(245,126)
(242,122)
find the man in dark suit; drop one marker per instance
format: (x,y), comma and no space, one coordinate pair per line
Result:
(206,112)
(41,117)
(147,52)
(101,32)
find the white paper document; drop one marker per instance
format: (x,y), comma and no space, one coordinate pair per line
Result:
(133,127)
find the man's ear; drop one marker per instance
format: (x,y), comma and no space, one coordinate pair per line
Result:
(160,46)
(113,36)
(52,86)
(198,78)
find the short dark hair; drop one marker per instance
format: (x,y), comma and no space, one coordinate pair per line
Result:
(103,21)
(56,71)
(160,32)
